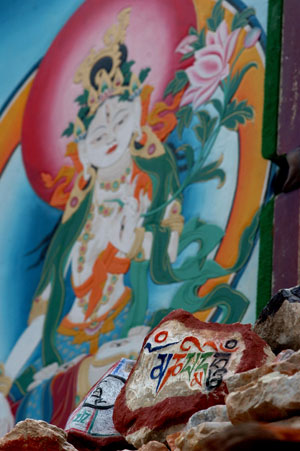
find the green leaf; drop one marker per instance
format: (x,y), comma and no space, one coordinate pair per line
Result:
(88,120)
(217,16)
(232,85)
(126,71)
(200,43)
(125,96)
(207,124)
(247,242)
(144,74)
(177,84)
(209,172)
(186,56)
(184,117)
(83,112)
(189,154)
(69,130)
(193,31)
(83,98)
(241,19)
(197,45)
(237,113)
(218,106)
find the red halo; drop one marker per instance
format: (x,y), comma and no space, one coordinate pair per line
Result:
(156,28)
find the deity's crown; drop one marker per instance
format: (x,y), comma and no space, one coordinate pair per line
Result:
(105,73)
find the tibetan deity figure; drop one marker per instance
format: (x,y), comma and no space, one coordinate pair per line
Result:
(122,230)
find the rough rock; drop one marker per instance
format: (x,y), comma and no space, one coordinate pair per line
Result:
(292,422)
(181,369)
(153,446)
(189,440)
(287,362)
(279,322)
(268,393)
(272,397)
(249,436)
(215,413)
(35,435)
(90,426)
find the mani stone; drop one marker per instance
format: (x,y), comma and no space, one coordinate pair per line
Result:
(35,435)
(279,322)
(181,369)
(266,394)
(90,426)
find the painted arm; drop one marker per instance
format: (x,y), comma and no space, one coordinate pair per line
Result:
(31,336)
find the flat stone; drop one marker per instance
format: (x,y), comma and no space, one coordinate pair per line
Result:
(215,413)
(279,322)
(273,396)
(91,422)
(35,435)
(181,369)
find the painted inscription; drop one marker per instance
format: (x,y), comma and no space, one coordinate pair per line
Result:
(93,416)
(204,363)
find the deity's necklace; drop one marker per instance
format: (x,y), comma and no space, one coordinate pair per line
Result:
(115,184)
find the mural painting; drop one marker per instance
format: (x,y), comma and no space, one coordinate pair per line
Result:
(140,156)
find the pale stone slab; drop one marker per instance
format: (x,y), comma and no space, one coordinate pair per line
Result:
(274,396)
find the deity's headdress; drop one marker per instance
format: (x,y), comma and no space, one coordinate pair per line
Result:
(105,73)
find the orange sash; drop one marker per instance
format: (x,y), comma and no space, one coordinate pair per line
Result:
(106,263)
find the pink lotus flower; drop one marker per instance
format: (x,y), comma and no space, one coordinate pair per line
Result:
(185,45)
(211,65)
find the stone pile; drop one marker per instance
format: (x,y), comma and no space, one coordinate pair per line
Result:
(194,387)
(269,393)
(182,368)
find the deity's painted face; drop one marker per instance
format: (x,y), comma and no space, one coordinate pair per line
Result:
(111,130)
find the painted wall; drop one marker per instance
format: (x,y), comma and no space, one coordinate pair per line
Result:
(131,188)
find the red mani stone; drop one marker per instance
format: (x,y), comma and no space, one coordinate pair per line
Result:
(181,369)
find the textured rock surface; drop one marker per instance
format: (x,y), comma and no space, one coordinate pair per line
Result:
(190,440)
(91,425)
(181,369)
(268,393)
(215,413)
(153,446)
(249,436)
(272,397)
(279,322)
(287,362)
(35,436)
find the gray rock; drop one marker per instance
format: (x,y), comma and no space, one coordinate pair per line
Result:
(279,322)
(273,397)
(212,414)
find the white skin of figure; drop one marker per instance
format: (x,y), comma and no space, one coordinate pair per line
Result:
(106,147)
